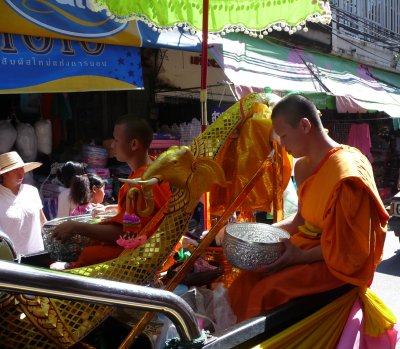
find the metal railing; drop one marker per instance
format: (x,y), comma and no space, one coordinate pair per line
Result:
(19,278)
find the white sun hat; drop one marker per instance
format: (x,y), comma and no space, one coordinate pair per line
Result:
(11,160)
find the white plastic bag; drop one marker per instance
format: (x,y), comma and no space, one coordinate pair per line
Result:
(43,136)
(8,135)
(26,143)
(223,314)
(212,307)
(290,200)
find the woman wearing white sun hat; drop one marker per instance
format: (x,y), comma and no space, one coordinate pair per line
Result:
(22,216)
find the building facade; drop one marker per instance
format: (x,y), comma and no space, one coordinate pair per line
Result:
(367,31)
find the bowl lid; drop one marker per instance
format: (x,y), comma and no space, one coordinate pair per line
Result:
(257,232)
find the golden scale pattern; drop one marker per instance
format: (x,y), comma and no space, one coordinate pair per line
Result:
(55,323)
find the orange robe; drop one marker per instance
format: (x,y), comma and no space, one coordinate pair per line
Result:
(98,251)
(341,199)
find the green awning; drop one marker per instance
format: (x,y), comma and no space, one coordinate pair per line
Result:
(253,64)
(320,99)
(223,15)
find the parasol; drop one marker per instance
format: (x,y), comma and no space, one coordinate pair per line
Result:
(254,17)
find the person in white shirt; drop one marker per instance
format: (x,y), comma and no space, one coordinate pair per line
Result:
(65,205)
(22,215)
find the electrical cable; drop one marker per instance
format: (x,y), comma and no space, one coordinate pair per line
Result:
(380,33)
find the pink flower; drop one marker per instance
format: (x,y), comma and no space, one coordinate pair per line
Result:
(131,243)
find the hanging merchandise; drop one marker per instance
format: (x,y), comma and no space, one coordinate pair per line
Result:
(43,136)
(26,144)
(8,136)
(359,137)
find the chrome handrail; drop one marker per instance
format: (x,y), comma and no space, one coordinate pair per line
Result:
(37,281)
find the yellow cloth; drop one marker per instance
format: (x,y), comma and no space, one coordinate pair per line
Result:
(322,329)
(241,157)
(340,198)
(378,317)
(318,331)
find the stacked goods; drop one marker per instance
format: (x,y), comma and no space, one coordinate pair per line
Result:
(94,156)
(162,141)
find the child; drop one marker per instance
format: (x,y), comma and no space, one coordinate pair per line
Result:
(67,173)
(88,192)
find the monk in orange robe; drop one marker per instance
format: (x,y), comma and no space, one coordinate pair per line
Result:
(338,233)
(132,138)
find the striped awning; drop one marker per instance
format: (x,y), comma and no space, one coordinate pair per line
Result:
(252,65)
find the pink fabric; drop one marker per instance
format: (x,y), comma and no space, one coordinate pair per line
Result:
(347,104)
(359,137)
(351,332)
(353,337)
(81,209)
(242,91)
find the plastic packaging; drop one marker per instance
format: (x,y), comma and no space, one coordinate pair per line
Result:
(43,136)
(26,143)
(8,136)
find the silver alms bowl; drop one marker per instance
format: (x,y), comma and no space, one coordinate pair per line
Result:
(68,251)
(251,245)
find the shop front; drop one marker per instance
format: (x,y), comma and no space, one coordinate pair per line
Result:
(74,71)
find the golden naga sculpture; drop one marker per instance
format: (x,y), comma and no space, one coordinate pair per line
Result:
(182,170)
(135,195)
(55,323)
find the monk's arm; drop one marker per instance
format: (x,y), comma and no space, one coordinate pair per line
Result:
(292,223)
(102,232)
(309,256)
(295,255)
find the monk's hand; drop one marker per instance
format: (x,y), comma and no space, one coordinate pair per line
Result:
(292,255)
(65,231)
(220,236)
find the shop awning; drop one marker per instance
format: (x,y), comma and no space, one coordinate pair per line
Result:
(75,20)
(253,64)
(67,47)
(37,64)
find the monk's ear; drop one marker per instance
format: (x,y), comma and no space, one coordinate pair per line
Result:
(305,125)
(134,143)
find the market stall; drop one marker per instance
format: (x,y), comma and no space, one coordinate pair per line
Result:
(202,167)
